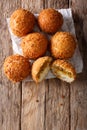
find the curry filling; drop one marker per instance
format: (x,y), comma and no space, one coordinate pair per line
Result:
(43,70)
(58,70)
(63,74)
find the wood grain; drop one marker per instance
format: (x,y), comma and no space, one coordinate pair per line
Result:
(9,93)
(33,100)
(80,19)
(78,90)
(33,6)
(33,96)
(57,4)
(52,104)
(57,105)
(48,108)
(79,105)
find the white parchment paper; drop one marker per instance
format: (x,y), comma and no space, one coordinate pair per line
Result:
(68,26)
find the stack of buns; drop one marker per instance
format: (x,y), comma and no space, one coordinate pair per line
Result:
(35,44)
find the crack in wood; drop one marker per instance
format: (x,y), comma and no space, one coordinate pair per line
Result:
(45,111)
(20,105)
(69,108)
(76,120)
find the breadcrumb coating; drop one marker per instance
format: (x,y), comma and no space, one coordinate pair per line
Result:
(22,22)
(50,20)
(34,45)
(40,68)
(63,45)
(16,68)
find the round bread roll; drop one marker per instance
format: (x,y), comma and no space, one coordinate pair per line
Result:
(63,45)
(40,68)
(63,70)
(34,45)
(16,68)
(50,20)
(22,22)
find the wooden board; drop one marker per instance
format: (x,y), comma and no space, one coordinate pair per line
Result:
(33,104)
(78,105)
(57,105)
(52,104)
(78,90)
(10,94)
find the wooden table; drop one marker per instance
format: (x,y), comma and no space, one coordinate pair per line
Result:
(53,104)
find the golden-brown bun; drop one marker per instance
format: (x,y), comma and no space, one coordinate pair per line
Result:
(63,70)
(40,68)
(34,45)
(50,20)
(16,68)
(22,22)
(63,45)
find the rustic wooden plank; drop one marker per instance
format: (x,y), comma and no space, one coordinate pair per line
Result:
(48,108)
(57,105)
(78,91)
(10,94)
(79,105)
(33,99)
(33,96)
(80,19)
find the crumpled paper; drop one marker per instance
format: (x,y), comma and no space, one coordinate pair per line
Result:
(68,26)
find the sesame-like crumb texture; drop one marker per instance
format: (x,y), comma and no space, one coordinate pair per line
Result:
(34,45)
(40,68)
(16,68)
(63,45)
(22,22)
(65,67)
(50,20)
